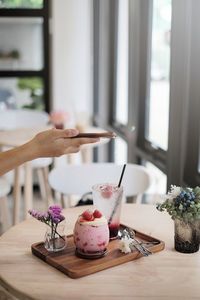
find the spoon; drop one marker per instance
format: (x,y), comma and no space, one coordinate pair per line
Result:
(135,243)
(132,235)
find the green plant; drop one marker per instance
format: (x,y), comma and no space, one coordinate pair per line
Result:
(15,54)
(21,3)
(182,203)
(35,85)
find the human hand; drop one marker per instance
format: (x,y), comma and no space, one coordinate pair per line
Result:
(56,142)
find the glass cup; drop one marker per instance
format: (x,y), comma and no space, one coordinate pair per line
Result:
(55,239)
(107,197)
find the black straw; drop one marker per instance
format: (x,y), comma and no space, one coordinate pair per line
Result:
(122,174)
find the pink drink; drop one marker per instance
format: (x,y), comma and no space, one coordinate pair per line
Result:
(108,198)
(91,236)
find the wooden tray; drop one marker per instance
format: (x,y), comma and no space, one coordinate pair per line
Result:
(67,262)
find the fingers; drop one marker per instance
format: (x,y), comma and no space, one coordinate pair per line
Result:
(73,145)
(66,133)
(72,150)
(82,141)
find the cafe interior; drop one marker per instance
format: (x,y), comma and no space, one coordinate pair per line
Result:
(126,71)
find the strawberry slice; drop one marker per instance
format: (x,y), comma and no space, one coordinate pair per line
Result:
(97,213)
(88,215)
(107,191)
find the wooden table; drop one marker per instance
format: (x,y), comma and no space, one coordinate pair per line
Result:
(163,275)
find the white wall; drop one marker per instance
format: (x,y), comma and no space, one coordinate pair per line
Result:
(72,55)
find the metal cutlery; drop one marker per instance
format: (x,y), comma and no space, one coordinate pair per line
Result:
(129,233)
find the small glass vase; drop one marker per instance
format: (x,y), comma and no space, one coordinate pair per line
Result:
(187,236)
(55,239)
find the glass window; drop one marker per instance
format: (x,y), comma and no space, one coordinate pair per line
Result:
(122,64)
(21,3)
(22,93)
(121,150)
(158,114)
(23,50)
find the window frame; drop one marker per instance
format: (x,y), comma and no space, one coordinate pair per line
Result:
(191,172)
(176,162)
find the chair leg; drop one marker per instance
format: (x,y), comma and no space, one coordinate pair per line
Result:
(70,158)
(41,183)
(28,190)
(86,155)
(5,215)
(62,201)
(16,196)
(45,189)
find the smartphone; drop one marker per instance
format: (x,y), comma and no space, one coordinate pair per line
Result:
(107,134)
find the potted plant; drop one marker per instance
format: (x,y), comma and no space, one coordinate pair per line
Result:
(55,240)
(183,205)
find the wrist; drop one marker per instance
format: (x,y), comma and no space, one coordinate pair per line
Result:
(29,151)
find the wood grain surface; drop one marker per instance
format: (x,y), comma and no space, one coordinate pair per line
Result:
(67,262)
(167,275)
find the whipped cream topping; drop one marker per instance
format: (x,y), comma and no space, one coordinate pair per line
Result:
(95,222)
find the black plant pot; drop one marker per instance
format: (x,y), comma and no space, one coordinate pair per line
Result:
(187,236)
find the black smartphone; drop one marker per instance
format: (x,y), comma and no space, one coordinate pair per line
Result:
(107,134)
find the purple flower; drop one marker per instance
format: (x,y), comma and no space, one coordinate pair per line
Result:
(56,220)
(61,218)
(51,217)
(32,212)
(56,209)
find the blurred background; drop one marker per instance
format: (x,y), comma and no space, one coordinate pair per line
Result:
(131,66)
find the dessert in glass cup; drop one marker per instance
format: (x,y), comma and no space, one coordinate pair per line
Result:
(91,234)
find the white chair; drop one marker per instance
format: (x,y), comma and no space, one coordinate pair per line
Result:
(78,179)
(4,210)
(12,119)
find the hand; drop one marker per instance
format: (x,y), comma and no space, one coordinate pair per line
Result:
(56,142)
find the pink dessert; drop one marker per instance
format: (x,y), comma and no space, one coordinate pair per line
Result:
(91,233)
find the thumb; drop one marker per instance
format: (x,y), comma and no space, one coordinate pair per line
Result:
(66,133)
(71,132)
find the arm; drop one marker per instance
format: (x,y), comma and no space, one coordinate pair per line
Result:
(50,143)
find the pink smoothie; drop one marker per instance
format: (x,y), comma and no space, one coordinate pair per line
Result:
(91,236)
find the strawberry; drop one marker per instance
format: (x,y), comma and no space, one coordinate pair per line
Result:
(88,215)
(107,192)
(97,213)
(81,219)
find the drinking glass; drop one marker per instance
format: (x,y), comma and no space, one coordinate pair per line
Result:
(107,198)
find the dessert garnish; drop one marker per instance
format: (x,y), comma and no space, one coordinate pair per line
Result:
(89,215)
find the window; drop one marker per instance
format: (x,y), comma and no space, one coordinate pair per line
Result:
(23,50)
(22,92)
(161,93)
(120,108)
(154,82)
(24,54)
(21,4)
(158,102)
(122,64)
